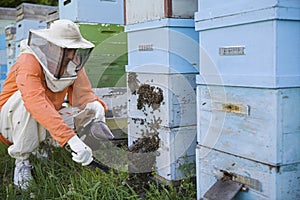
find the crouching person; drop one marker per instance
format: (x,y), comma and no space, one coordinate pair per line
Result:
(49,68)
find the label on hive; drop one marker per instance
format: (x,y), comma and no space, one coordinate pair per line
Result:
(232,51)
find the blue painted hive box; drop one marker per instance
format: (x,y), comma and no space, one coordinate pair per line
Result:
(258,180)
(208,9)
(254,44)
(23,27)
(94,11)
(255,123)
(165,46)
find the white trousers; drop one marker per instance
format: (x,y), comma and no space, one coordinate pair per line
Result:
(18,126)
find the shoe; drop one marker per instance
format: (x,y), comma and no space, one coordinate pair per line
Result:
(22,174)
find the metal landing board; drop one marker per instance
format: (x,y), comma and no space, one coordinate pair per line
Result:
(223,189)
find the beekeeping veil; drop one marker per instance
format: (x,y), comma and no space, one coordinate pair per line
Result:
(62,52)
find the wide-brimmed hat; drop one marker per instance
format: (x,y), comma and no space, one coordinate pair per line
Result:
(64,33)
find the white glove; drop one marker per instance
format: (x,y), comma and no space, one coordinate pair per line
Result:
(97,107)
(81,152)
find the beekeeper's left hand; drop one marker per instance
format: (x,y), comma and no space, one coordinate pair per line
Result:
(97,107)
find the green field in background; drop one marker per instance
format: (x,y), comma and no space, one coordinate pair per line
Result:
(106,65)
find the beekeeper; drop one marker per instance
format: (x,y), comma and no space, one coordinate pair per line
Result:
(49,69)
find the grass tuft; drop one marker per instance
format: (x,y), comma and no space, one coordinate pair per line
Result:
(58,177)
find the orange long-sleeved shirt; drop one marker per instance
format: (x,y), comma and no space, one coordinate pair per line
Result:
(27,76)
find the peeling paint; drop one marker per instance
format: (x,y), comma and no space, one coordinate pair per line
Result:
(133,82)
(119,110)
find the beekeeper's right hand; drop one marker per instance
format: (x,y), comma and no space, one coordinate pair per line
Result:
(81,153)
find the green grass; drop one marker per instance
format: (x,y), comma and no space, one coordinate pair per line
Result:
(58,177)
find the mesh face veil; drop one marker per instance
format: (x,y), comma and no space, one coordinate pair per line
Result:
(61,51)
(57,61)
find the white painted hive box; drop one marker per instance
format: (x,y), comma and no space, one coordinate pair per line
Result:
(167,98)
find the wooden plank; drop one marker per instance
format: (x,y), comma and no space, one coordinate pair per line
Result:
(223,189)
(7,13)
(32,11)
